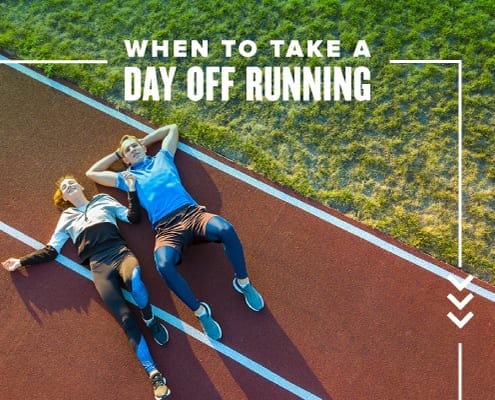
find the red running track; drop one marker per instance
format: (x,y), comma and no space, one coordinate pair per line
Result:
(344,319)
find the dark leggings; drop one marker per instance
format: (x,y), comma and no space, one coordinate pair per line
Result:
(109,269)
(167,258)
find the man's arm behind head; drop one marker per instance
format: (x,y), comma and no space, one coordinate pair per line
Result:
(99,171)
(168,135)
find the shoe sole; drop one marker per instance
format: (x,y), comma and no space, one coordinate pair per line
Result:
(164,396)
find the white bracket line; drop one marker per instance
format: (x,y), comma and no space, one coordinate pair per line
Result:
(241,359)
(459,372)
(453,318)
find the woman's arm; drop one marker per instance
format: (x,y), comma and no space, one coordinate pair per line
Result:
(133,209)
(46,254)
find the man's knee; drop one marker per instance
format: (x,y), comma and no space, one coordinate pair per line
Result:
(166,261)
(220,230)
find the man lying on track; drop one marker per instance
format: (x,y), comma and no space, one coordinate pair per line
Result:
(176,217)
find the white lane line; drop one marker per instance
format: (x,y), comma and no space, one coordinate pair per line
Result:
(7,61)
(345,226)
(176,322)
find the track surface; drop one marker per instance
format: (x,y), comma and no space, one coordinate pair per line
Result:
(344,320)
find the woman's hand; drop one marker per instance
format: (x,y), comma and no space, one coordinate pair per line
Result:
(130,180)
(11,264)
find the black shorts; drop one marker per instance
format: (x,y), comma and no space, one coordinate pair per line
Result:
(114,259)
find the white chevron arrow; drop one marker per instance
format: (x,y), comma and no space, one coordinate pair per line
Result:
(460,323)
(462,284)
(460,304)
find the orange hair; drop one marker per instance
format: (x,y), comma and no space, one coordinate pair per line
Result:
(58,197)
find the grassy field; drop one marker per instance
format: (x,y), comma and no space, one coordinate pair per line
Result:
(391,162)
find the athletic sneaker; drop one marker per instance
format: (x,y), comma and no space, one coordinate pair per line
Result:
(251,296)
(160,388)
(210,326)
(158,330)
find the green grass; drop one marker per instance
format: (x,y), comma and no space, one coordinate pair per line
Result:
(390,162)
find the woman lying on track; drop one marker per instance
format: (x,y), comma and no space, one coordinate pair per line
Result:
(92,227)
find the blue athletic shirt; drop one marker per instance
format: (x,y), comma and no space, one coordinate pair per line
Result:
(158,185)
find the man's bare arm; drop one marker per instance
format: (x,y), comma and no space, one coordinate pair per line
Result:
(168,135)
(99,172)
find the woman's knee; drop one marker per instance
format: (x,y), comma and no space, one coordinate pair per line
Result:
(138,288)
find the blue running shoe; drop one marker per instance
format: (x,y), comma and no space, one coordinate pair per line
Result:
(158,330)
(253,298)
(210,326)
